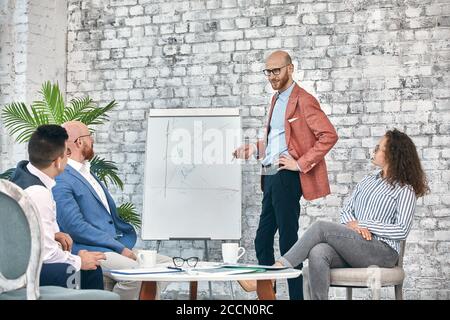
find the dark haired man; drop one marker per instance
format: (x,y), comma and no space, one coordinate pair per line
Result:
(48,153)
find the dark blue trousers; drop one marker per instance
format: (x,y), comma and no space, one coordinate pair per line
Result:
(64,275)
(280,211)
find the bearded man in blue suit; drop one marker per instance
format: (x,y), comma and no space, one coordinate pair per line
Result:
(87,212)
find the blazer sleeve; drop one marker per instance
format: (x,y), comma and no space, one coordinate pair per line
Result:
(323,130)
(71,220)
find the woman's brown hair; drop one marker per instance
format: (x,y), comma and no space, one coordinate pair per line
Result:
(403,162)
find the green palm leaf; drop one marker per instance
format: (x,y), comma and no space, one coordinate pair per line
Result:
(18,119)
(106,170)
(97,115)
(22,121)
(52,104)
(7,174)
(77,107)
(127,212)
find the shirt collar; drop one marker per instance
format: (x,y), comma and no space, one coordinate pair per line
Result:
(45,179)
(377,173)
(286,93)
(80,167)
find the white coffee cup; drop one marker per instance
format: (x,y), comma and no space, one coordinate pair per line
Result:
(146,258)
(230,252)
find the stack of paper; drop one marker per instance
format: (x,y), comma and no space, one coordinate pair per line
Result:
(222,270)
(144,271)
(253,266)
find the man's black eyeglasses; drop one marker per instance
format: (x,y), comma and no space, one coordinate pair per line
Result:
(274,71)
(179,261)
(85,135)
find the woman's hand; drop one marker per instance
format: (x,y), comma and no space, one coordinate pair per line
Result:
(352,225)
(364,232)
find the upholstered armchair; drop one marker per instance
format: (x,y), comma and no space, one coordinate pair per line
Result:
(372,277)
(21,255)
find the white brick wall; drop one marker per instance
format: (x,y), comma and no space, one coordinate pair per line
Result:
(13,65)
(46,46)
(373,65)
(32,50)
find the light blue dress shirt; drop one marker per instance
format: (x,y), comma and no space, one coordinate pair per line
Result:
(276,144)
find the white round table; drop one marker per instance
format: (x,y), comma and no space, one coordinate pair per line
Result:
(264,284)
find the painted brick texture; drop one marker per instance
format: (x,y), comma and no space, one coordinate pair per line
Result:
(373,65)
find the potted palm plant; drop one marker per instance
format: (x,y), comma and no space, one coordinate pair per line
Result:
(21,121)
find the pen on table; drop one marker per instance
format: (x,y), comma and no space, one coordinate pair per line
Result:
(175,268)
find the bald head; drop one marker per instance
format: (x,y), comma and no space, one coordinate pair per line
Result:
(75,129)
(279,70)
(280,56)
(80,141)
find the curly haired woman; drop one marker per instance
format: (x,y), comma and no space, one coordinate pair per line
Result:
(378,215)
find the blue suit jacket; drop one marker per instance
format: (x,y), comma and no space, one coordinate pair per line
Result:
(82,215)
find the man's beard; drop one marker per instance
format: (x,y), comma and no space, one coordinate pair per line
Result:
(88,153)
(280,83)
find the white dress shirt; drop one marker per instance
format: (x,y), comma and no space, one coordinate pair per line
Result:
(43,199)
(85,170)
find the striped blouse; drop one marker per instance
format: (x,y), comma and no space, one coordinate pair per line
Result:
(386,210)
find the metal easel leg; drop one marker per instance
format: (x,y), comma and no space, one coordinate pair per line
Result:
(231,290)
(158,244)
(207,259)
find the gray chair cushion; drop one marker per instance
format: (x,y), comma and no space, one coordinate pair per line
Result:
(358,277)
(59,293)
(15,239)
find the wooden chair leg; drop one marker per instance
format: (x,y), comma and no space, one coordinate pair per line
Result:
(349,293)
(399,292)
(193,290)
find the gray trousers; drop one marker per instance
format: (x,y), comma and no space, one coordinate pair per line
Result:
(332,245)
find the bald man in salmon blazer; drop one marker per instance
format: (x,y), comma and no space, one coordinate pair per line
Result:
(298,136)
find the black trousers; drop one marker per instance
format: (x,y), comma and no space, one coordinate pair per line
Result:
(280,211)
(64,275)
